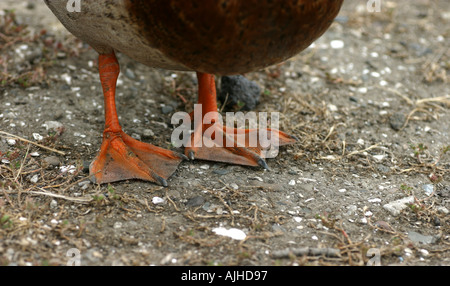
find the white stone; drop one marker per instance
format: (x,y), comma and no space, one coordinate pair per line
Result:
(395,207)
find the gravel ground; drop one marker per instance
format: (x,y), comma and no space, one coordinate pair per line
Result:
(367,183)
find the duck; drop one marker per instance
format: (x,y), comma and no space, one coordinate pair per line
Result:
(208,37)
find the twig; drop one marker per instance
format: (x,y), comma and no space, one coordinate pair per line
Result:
(23,163)
(364,150)
(224,103)
(411,114)
(73,199)
(31,142)
(172,202)
(396,92)
(442,99)
(331,131)
(163,225)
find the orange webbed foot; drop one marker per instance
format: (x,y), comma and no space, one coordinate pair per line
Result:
(122,157)
(213,141)
(248,147)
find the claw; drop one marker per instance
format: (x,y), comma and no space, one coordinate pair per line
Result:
(294,137)
(182,156)
(263,163)
(161,181)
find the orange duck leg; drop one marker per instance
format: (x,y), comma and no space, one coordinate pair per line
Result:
(122,157)
(213,141)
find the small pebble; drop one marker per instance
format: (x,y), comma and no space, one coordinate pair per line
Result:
(130,74)
(428,188)
(52,125)
(147,133)
(337,44)
(86,165)
(234,233)
(379,158)
(69,169)
(67,78)
(408,251)
(136,136)
(53,204)
(383,225)
(166,109)
(420,238)
(84,184)
(221,171)
(442,210)
(424,252)
(195,201)
(52,160)
(11,142)
(397,120)
(436,221)
(37,136)
(395,207)
(158,200)
(34,179)
(353,99)
(234,186)
(332,107)
(61,55)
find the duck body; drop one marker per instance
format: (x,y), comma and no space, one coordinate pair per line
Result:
(212,36)
(220,37)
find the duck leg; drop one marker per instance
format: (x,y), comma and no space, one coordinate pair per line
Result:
(213,141)
(122,157)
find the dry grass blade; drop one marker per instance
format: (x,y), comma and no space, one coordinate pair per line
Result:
(411,114)
(23,163)
(31,142)
(396,92)
(73,199)
(376,146)
(440,99)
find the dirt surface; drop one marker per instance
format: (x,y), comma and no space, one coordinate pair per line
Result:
(369,102)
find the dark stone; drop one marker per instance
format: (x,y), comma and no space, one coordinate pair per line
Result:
(243,94)
(195,201)
(397,120)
